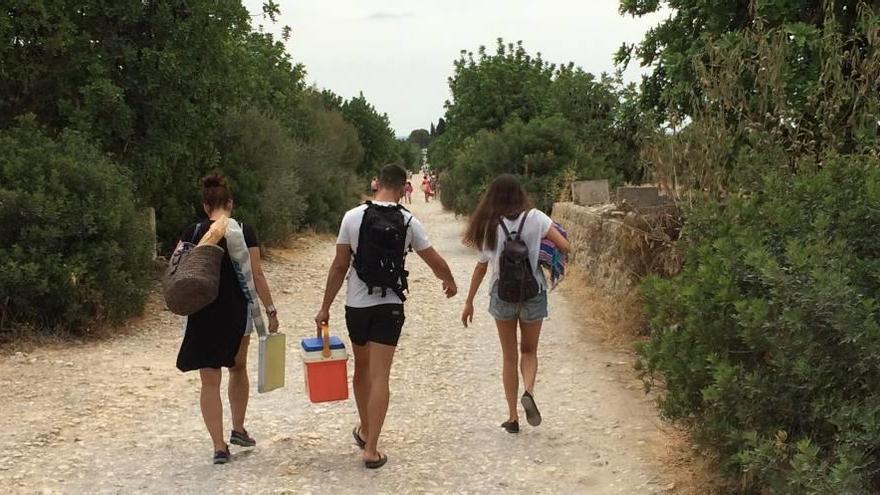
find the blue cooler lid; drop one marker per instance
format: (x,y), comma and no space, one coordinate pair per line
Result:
(312,344)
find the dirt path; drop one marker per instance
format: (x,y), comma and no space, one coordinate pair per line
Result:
(117,417)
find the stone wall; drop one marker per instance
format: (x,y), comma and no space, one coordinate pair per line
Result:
(615,248)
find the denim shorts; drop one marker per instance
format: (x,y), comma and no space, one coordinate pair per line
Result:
(535,309)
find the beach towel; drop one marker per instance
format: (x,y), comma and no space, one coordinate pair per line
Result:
(553,259)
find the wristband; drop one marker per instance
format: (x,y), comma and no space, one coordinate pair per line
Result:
(271,310)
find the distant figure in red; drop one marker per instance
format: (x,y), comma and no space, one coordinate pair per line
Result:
(426,188)
(374,185)
(407,191)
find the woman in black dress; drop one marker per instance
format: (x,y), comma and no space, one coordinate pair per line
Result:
(218,335)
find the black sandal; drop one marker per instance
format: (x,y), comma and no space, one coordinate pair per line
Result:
(361,443)
(377,463)
(533,416)
(511,426)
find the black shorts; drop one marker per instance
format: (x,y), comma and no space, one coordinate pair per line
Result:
(380,324)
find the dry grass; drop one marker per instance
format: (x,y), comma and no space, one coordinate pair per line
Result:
(615,319)
(618,320)
(25,339)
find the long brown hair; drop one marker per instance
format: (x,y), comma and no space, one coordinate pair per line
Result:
(504,198)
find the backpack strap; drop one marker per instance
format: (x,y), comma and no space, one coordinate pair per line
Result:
(195,233)
(522,224)
(518,231)
(504,228)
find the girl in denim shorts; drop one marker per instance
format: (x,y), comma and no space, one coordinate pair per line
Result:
(506,201)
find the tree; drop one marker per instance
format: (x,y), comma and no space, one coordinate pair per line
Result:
(409,154)
(545,123)
(169,91)
(256,155)
(492,88)
(672,47)
(328,166)
(420,137)
(433,130)
(543,153)
(374,132)
(778,98)
(149,81)
(74,242)
(595,107)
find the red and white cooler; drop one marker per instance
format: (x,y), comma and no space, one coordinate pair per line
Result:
(325,367)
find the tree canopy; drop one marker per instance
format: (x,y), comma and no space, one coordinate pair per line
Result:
(514,112)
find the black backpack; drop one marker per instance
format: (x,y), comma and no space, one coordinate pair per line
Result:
(381,252)
(516,281)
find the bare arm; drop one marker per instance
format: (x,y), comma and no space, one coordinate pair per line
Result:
(262,286)
(440,268)
(260,277)
(554,236)
(467,316)
(335,279)
(477,280)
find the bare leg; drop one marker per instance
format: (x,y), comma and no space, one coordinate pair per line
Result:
(212,407)
(531,331)
(239,386)
(361,385)
(510,357)
(381,357)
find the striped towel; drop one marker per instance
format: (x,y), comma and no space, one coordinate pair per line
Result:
(552,259)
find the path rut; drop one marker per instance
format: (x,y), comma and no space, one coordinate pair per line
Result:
(115,416)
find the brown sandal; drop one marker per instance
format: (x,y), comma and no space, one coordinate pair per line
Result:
(361,443)
(377,463)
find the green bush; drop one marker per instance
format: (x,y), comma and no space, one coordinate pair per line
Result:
(257,155)
(515,113)
(74,246)
(328,165)
(769,340)
(543,153)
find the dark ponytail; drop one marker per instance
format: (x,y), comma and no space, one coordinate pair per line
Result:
(215,192)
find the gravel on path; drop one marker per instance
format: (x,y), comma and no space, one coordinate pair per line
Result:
(115,416)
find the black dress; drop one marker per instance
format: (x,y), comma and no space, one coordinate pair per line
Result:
(213,334)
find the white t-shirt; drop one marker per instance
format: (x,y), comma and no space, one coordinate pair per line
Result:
(357,294)
(534,231)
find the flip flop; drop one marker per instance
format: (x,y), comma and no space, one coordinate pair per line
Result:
(377,463)
(361,443)
(533,416)
(511,426)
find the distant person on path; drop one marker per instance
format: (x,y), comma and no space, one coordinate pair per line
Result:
(426,188)
(378,233)
(408,190)
(507,232)
(374,185)
(435,185)
(218,335)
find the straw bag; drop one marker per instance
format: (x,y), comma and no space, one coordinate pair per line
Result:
(192,280)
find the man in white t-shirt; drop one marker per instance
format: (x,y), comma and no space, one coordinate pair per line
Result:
(374,312)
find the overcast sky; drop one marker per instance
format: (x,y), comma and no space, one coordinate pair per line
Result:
(400,53)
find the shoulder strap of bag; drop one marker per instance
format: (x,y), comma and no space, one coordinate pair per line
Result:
(517,232)
(504,228)
(195,233)
(522,223)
